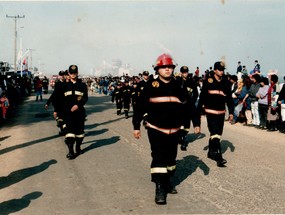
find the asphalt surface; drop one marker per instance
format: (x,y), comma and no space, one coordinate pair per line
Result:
(113,174)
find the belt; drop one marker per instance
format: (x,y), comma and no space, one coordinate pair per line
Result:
(164,130)
(215,111)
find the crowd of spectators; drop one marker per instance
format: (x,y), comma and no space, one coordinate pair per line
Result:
(13,89)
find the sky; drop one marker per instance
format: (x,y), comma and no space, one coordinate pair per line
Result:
(93,34)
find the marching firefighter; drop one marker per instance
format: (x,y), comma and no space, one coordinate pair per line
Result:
(116,96)
(45,82)
(75,97)
(142,83)
(135,96)
(126,96)
(215,93)
(161,112)
(190,110)
(58,103)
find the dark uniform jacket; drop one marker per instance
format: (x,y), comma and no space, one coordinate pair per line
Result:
(125,92)
(116,96)
(191,99)
(54,98)
(74,94)
(141,86)
(162,103)
(214,95)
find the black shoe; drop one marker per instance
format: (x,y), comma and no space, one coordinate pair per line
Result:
(61,133)
(183,148)
(70,156)
(126,117)
(216,156)
(170,189)
(221,163)
(160,195)
(78,153)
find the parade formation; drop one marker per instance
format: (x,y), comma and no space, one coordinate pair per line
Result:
(166,103)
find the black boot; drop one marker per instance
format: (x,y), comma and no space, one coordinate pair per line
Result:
(217,156)
(182,141)
(214,152)
(184,145)
(70,142)
(118,112)
(126,114)
(160,195)
(169,188)
(78,147)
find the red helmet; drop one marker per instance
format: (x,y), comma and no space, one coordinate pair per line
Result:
(164,60)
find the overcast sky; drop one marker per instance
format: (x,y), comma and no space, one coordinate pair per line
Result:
(194,32)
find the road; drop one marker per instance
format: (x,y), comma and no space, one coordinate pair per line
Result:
(113,175)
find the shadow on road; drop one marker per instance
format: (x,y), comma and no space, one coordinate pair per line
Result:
(22,174)
(187,166)
(94,133)
(192,137)
(98,143)
(9,149)
(88,127)
(15,205)
(4,138)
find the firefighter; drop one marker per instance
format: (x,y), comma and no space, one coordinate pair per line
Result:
(215,93)
(142,83)
(190,110)
(134,95)
(75,97)
(126,96)
(161,112)
(116,96)
(45,84)
(57,103)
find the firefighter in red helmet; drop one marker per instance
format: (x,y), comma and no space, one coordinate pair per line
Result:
(161,112)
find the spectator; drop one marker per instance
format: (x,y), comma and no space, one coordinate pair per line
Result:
(262,96)
(272,114)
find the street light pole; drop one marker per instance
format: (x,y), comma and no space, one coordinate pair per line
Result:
(15,42)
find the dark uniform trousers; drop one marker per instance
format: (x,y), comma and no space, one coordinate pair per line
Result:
(215,125)
(75,94)
(74,128)
(163,152)
(118,98)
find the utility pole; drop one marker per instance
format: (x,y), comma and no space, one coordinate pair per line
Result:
(15,42)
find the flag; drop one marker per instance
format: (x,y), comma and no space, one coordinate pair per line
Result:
(25,61)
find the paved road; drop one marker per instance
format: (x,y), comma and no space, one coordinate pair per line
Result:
(112,176)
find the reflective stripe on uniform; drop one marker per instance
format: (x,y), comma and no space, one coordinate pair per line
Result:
(70,135)
(215,136)
(164,130)
(164,99)
(158,170)
(78,93)
(79,135)
(68,93)
(214,111)
(217,92)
